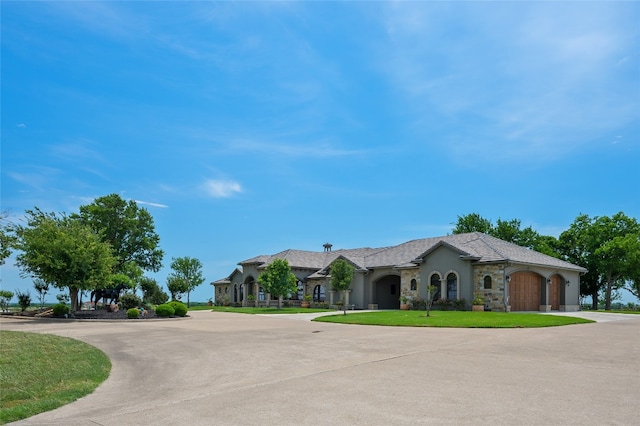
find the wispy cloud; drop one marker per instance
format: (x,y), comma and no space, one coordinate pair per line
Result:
(21,125)
(221,188)
(521,81)
(148,203)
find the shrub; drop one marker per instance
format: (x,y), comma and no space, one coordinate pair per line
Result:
(128,301)
(133,313)
(164,310)
(24,300)
(60,310)
(179,308)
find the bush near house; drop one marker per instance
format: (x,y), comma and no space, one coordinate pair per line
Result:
(164,310)
(60,310)
(128,301)
(133,313)
(179,308)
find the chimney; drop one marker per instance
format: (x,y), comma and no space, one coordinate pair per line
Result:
(327,247)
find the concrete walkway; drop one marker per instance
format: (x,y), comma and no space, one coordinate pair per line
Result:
(232,369)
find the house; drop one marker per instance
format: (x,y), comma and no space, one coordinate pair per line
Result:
(508,277)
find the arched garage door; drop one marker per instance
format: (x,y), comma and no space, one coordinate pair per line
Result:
(524,291)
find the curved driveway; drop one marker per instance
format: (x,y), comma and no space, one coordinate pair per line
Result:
(233,369)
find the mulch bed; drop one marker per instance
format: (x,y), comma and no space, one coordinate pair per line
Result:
(101,314)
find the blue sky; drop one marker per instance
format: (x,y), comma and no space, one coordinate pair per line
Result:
(248,128)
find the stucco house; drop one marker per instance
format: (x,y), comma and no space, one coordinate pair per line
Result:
(505,275)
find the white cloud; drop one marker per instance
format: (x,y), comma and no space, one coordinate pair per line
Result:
(21,125)
(221,188)
(147,203)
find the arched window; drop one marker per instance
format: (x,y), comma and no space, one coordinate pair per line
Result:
(260,294)
(487,282)
(452,286)
(435,281)
(414,284)
(318,294)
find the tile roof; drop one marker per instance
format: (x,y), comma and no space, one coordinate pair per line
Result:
(476,246)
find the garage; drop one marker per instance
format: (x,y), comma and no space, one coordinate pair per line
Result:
(524,291)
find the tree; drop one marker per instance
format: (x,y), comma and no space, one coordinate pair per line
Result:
(7,238)
(128,229)
(42,287)
(188,271)
(431,292)
(5,298)
(341,277)
(151,292)
(608,247)
(507,230)
(62,251)
(472,222)
(278,280)
(176,286)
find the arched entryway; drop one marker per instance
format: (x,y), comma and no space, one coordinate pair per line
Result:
(387,292)
(524,291)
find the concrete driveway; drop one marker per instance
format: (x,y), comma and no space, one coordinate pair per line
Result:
(235,369)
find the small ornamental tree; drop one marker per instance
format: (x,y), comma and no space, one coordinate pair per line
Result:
(431,292)
(42,287)
(278,280)
(186,275)
(5,298)
(341,277)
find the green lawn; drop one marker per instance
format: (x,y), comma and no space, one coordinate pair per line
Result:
(40,372)
(455,319)
(268,310)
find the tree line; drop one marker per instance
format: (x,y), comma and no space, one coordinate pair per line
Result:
(108,242)
(608,247)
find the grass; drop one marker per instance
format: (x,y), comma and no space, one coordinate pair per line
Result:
(40,372)
(267,310)
(454,319)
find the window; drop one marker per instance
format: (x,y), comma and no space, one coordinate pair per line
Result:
(487,282)
(318,293)
(414,284)
(261,294)
(300,295)
(435,281)
(452,286)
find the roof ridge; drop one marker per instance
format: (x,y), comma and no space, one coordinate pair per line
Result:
(481,236)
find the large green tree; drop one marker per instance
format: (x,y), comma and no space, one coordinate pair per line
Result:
(507,230)
(278,280)
(341,273)
(187,271)
(63,251)
(7,237)
(608,247)
(129,230)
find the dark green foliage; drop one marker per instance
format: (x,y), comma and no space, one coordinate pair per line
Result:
(164,310)
(179,308)
(341,277)
(128,229)
(5,298)
(128,301)
(186,276)
(152,293)
(60,310)
(24,300)
(133,313)
(278,280)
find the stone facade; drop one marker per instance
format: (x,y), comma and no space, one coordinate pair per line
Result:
(494,296)
(406,276)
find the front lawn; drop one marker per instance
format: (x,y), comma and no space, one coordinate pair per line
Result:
(40,372)
(455,319)
(268,310)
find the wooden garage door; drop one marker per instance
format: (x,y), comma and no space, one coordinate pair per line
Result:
(524,291)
